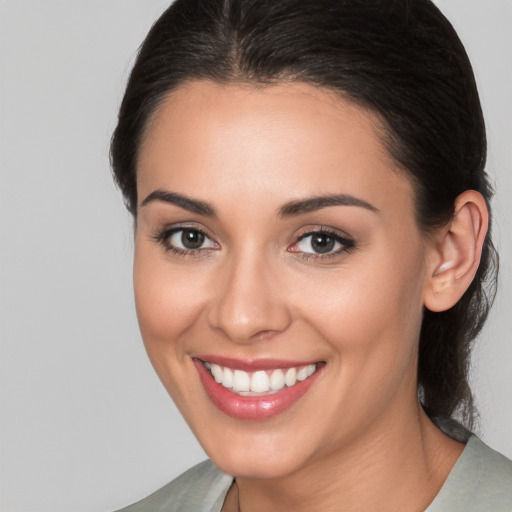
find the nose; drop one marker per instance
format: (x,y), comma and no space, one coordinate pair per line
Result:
(248,302)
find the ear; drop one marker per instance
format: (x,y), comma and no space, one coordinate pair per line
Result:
(455,252)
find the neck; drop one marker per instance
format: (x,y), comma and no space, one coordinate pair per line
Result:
(399,464)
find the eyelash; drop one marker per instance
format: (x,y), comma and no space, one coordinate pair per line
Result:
(347,244)
(163,238)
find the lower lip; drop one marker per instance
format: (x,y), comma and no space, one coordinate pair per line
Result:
(253,407)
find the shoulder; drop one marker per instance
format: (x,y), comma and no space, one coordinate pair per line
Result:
(200,489)
(480,481)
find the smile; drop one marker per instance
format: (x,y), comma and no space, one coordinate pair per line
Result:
(259,382)
(255,391)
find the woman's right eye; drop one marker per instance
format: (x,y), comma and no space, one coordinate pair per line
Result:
(186,240)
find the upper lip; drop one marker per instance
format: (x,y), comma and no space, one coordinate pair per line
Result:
(253,365)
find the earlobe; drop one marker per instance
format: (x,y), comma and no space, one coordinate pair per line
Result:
(456,252)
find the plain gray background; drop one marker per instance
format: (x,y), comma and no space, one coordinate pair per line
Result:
(85,424)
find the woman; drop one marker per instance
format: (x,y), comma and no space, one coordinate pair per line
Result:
(313,259)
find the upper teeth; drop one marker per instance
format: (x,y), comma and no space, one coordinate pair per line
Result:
(261,381)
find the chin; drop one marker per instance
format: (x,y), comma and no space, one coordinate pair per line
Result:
(255,466)
(259,456)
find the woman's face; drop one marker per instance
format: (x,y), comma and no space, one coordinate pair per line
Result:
(275,239)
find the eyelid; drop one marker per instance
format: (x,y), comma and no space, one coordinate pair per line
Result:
(347,242)
(334,232)
(172,237)
(162,236)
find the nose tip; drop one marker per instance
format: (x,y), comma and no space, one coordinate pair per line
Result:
(248,305)
(247,326)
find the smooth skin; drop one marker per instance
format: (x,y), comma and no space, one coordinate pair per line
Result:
(256,286)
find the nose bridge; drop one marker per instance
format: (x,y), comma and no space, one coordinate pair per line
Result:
(248,301)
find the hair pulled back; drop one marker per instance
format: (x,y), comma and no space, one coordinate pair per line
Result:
(400,58)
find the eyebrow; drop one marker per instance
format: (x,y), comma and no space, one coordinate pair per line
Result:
(192,205)
(317,203)
(289,209)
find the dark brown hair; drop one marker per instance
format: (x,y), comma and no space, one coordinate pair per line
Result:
(400,58)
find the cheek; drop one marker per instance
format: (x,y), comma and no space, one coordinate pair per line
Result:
(370,319)
(168,302)
(371,313)
(167,296)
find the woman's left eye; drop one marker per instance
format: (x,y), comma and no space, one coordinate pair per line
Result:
(319,243)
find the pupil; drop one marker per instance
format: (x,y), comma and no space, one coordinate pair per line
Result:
(192,239)
(322,243)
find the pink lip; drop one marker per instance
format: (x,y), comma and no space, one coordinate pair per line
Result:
(253,407)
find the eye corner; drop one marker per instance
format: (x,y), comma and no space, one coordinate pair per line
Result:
(292,248)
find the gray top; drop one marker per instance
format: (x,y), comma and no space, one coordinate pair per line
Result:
(480,481)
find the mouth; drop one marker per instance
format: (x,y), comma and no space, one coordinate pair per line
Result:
(255,390)
(261,382)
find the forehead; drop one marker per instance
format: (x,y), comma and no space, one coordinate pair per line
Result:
(281,141)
